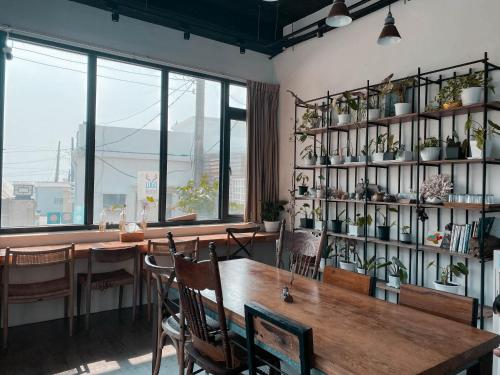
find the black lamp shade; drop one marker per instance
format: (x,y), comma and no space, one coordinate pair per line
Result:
(339,15)
(390,34)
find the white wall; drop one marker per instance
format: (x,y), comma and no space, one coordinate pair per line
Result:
(90,26)
(435,34)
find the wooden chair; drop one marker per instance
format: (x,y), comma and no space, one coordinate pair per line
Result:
(111,279)
(446,305)
(305,253)
(39,291)
(281,334)
(280,245)
(352,281)
(218,352)
(245,243)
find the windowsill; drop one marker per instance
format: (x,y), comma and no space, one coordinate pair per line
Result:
(82,236)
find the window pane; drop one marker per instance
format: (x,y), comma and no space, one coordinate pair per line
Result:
(238,172)
(193,147)
(44,136)
(238,96)
(127,140)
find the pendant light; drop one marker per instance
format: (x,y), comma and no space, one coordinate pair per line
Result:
(339,15)
(390,34)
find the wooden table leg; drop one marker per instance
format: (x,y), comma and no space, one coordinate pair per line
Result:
(484,367)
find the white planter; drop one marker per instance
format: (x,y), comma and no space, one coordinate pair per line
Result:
(471,95)
(374,114)
(348,266)
(355,230)
(404,156)
(405,237)
(434,200)
(477,153)
(446,288)
(378,156)
(309,162)
(394,281)
(337,159)
(430,153)
(402,108)
(271,226)
(318,224)
(344,119)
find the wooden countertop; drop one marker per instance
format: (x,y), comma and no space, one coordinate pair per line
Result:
(353,333)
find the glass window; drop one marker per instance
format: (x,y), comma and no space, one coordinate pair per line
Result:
(238,96)
(127,140)
(238,168)
(194,127)
(44,136)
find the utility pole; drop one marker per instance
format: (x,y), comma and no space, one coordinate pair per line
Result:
(56,178)
(199,130)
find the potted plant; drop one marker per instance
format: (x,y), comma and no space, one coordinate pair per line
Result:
(368,266)
(453,147)
(449,96)
(385,147)
(311,119)
(308,154)
(342,104)
(478,135)
(319,223)
(405,236)
(402,154)
(430,149)
(384,230)
(307,221)
(345,252)
(357,227)
(472,87)
(397,273)
(323,158)
(327,257)
(435,189)
(349,157)
(270,215)
(399,88)
(366,152)
(303,179)
(373,108)
(337,157)
(337,222)
(321,190)
(444,283)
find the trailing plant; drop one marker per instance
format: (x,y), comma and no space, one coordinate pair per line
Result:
(437,186)
(302,178)
(384,216)
(305,209)
(396,268)
(445,273)
(270,211)
(360,221)
(478,132)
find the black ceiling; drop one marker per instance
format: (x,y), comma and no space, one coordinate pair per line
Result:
(235,22)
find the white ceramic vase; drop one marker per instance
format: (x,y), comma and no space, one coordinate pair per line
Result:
(430,153)
(394,281)
(355,230)
(402,108)
(348,266)
(374,114)
(471,95)
(446,288)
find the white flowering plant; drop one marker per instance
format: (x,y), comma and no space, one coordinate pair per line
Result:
(437,186)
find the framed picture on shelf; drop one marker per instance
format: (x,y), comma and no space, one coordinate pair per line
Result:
(434,238)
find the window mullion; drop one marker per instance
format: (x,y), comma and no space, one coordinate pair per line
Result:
(90,139)
(162,193)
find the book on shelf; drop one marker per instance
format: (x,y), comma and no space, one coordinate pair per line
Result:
(461,234)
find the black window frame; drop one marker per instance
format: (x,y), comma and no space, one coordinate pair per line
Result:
(227,114)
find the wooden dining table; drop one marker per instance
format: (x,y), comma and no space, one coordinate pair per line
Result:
(354,333)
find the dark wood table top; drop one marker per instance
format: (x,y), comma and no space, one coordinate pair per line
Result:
(354,333)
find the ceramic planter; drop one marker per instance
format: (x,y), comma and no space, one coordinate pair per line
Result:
(361,270)
(383,232)
(308,162)
(271,226)
(477,153)
(402,108)
(344,119)
(351,159)
(323,160)
(373,114)
(430,153)
(306,223)
(303,190)
(394,281)
(451,288)
(405,237)
(378,156)
(362,158)
(337,226)
(356,230)
(337,159)
(451,153)
(348,266)
(434,200)
(471,95)
(404,156)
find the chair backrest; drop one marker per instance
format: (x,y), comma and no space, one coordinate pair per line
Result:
(352,281)
(163,277)
(244,244)
(446,305)
(280,245)
(281,334)
(189,248)
(305,253)
(192,279)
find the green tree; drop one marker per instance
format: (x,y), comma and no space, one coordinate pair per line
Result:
(200,199)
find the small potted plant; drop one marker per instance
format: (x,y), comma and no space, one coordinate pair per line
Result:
(453,147)
(444,283)
(397,273)
(319,223)
(400,88)
(321,189)
(478,137)
(323,158)
(385,147)
(373,108)
(270,215)
(430,149)
(307,221)
(368,266)
(436,189)
(366,152)
(337,222)
(378,155)
(384,230)
(472,87)
(357,227)
(402,154)
(303,179)
(308,154)
(345,252)
(342,104)
(405,235)
(337,157)
(349,158)
(327,257)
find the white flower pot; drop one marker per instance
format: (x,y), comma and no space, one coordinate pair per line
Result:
(404,156)
(360,270)
(477,153)
(402,108)
(430,153)
(374,114)
(348,266)
(446,288)
(433,200)
(337,159)
(271,226)
(309,162)
(355,230)
(394,281)
(405,237)
(344,119)
(378,156)
(471,95)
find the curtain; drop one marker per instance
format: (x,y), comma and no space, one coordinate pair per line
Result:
(262,166)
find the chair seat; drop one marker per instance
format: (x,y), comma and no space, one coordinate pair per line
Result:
(171,326)
(104,280)
(39,291)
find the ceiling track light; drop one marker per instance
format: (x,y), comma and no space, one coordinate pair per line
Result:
(390,34)
(187,35)
(339,15)
(115,16)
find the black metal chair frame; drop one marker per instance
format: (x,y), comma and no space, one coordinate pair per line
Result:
(303,333)
(242,246)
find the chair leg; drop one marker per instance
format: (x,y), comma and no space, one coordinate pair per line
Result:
(120,298)
(148,296)
(78,299)
(71,312)
(159,347)
(87,307)
(5,316)
(66,307)
(190,367)
(134,300)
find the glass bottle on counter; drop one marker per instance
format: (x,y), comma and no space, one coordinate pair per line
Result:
(144,222)
(102,221)
(123,219)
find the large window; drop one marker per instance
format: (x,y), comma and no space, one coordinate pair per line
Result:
(86,133)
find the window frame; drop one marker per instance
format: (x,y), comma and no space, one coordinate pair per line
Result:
(227,114)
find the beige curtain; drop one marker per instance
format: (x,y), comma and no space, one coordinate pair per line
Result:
(262,125)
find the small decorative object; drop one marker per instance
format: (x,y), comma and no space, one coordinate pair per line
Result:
(478,137)
(356,228)
(444,283)
(397,273)
(303,179)
(403,155)
(384,230)
(306,221)
(131,233)
(286,296)
(430,149)
(453,147)
(309,156)
(405,236)
(434,238)
(436,187)
(390,198)
(270,215)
